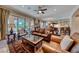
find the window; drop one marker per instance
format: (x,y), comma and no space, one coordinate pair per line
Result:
(17,23)
(20,23)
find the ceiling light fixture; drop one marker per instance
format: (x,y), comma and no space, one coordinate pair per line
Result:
(40,12)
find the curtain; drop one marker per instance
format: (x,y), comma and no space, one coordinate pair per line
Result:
(3,17)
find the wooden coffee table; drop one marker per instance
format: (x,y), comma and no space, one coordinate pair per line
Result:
(33,43)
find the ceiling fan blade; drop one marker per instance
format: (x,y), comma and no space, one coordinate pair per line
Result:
(43,12)
(43,9)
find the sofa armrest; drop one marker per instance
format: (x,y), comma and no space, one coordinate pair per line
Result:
(48,49)
(55,38)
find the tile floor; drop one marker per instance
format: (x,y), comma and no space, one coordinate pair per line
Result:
(4,47)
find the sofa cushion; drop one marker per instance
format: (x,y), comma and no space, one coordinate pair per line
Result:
(56,38)
(75,49)
(66,43)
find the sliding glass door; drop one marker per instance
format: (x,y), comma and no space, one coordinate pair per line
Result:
(17,23)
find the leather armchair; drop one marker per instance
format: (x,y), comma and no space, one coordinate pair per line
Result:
(54,45)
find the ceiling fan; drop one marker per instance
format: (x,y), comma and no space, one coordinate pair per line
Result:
(41,10)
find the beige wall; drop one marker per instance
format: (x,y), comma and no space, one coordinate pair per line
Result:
(75,25)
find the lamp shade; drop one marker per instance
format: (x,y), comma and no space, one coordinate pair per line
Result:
(11,25)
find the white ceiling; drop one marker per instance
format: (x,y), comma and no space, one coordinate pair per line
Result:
(52,12)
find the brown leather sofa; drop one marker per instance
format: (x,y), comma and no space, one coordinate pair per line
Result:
(54,45)
(43,33)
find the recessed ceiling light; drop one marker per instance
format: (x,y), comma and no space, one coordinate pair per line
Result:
(40,12)
(54,9)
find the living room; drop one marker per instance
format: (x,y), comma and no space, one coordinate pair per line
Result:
(42,28)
